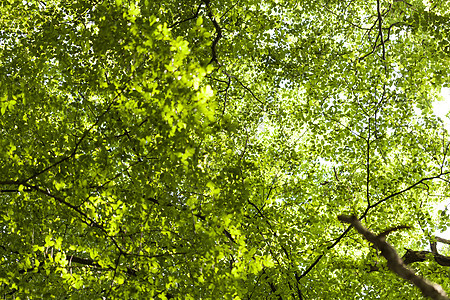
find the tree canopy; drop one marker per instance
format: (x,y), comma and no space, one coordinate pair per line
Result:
(205,149)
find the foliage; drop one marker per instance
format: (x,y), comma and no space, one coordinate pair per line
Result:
(204,149)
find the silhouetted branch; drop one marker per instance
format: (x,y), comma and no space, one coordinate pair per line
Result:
(218,32)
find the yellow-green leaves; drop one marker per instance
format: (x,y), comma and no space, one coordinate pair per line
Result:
(214,190)
(160,149)
(199,21)
(205,103)
(6,104)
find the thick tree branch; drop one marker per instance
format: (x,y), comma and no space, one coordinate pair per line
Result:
(343,234)
(412,256)
(218,32)
(445,241)
(395,263)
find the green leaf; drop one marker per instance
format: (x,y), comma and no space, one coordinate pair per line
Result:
(199,21)
(165,150)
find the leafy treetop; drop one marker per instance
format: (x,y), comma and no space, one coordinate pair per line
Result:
(204,149)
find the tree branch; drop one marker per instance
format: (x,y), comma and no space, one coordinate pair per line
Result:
(187,19)
(445,241)
(395,263)
(412,256)
(218,32)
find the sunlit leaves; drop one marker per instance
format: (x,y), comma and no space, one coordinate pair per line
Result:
(134,166)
